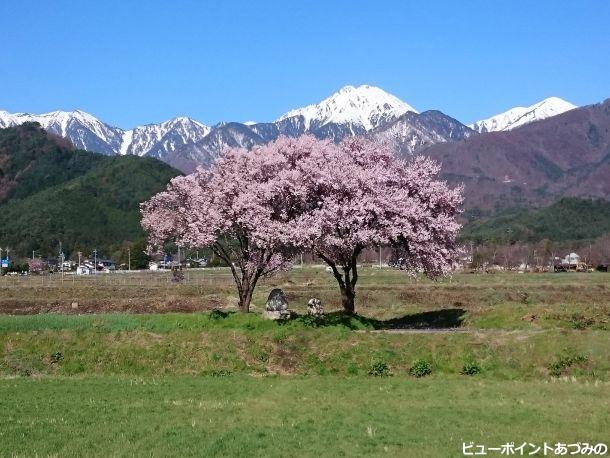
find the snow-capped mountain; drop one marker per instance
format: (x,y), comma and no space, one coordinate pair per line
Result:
(157,140)
(82,129)
(89,133)
(360,108)
(223,135)
(364,110)
(349,111)
(413,132)
(519,116)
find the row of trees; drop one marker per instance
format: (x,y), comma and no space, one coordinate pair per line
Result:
(510,256)
(257,209)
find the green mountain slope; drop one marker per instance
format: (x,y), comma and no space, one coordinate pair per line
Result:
(569,219)
(55,194)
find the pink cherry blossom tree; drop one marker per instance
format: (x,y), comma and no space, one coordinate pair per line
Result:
(232,209)
(255,208)
(357,194)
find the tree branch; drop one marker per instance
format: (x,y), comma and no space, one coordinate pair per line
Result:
(336,272)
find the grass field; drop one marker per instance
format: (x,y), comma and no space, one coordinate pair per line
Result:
(142,366)
(302,416)
(493,300)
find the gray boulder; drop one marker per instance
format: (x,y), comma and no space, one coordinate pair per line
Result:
(276,302)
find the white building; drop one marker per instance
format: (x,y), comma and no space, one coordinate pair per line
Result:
(571,259)
(83,270)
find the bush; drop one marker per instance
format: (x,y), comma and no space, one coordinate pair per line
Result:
(220,373)
(420,368)
(218,315)
(471,368)
(581,322)
(564,363)
(57,357)
(379,369)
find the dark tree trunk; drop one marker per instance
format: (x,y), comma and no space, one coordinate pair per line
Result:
(347,280)
(245,279)
(348,296)
(245,297)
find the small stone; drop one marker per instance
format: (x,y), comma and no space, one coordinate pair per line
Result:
(276,302)
(74,305)
(314,307)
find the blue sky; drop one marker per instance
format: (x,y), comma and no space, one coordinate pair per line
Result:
(131,62)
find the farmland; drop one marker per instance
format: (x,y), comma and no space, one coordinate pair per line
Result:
(136,362)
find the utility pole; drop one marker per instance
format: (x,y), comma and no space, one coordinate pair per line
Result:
(380,256)
(301,260)
(129,259)
(79,255)
(33,252)
(7,260)
(94,262)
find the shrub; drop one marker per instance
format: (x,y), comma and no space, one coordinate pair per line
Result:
(581,322)
(220,373)
(564,363)
(470,368)
(420,368)
(218,315)
(56,357)
(379,369)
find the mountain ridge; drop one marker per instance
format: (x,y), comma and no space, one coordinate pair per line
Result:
(567,155)
(520,116)
(365,110)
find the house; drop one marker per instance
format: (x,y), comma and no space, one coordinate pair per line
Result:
(83,270)
(196,262)
(106,265)
(571,259)
(572,262)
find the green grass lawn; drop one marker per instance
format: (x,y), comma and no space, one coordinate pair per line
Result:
(292,416)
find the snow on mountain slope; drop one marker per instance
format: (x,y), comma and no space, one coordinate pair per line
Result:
(520,116)
(88,133)
(82,129)
(223,135)
(157,139)
(413,132)
(365,107)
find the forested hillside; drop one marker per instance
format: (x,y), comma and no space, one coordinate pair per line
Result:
(569,219)
(51,193)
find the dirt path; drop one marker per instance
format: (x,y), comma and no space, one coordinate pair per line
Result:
(451,331)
